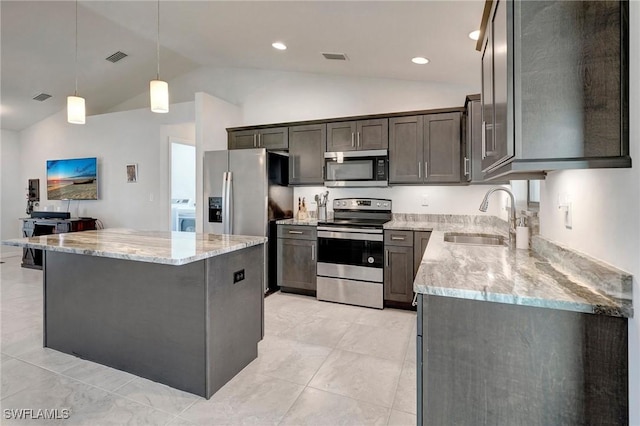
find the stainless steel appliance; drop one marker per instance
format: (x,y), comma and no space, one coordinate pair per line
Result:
(245,192)
(356,168)
(351,252)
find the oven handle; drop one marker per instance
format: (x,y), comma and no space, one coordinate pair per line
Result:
(354,230)
(350,236)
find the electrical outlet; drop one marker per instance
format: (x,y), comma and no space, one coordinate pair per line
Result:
(151,196)
(424,200)
(238,276)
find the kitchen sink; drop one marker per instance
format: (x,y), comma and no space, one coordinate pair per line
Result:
(474,239)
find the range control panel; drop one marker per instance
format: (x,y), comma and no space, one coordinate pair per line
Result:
(361,204)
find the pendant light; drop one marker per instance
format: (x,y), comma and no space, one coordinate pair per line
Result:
(75,104)
(158,89)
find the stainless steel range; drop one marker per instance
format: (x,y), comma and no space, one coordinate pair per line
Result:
(351,252)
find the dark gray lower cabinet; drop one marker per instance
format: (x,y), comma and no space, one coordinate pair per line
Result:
(297,259)
(403,253)
(398,274)
(500,364)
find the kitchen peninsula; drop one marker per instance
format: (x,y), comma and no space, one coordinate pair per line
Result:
(520,336)
(181,309)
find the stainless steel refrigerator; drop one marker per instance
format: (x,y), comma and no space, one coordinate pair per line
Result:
(245,192)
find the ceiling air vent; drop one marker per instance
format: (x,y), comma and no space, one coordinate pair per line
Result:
(116,57)
(41,97)
(335,56)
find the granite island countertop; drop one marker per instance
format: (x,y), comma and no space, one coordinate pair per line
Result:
(548,275)
(165,247)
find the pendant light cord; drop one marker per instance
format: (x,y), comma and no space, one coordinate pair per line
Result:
(76,64)
(158,42)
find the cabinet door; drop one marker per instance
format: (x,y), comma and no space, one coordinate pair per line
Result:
(420,241)
(372,134)
(243,139)
(275,138)
(502,79)
(306,154)
(406,150)
(473,166)
(297,263)
(442,147)
(341,136)
(398,274)
(488,113)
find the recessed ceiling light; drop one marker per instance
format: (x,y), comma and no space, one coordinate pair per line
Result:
(474,35)
(420,60)
(279,46)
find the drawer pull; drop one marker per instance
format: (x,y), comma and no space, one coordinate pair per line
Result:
(397,238)
(295,232)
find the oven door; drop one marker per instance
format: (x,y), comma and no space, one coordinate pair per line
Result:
(351,255)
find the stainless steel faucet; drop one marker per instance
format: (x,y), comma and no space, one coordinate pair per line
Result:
(512,220)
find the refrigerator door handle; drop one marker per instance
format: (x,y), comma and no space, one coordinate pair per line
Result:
(230,201)
(225,203)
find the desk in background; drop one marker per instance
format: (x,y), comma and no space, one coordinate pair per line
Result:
(33,227)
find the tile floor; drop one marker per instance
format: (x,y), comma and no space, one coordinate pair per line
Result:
(319,364)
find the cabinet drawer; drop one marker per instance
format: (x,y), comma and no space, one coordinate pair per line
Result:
(398,238)
(298,232)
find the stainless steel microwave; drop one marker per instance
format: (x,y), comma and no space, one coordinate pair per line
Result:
(356,168)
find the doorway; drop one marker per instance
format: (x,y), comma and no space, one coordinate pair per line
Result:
(183,185)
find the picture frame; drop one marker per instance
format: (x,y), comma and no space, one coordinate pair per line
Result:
(132,172)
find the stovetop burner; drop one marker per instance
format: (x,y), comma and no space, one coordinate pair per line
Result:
(359,213)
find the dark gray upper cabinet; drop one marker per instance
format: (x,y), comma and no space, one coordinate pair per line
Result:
(358,135)
(442,148)
(275,138)
(425,149)
(341,136)
(555,79)
(306,154)
(405,149)
(242,139)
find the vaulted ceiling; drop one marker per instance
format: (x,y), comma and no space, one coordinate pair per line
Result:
(378,37)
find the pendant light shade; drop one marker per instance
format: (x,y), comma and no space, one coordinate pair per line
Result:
(75,110)
(158,89)
(75,104)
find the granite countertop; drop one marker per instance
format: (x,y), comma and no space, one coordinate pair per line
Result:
(294,221)
(548,275)
(170,248)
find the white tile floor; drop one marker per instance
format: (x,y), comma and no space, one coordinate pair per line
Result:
(319,364)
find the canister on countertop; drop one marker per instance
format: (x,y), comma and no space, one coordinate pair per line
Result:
(522,234)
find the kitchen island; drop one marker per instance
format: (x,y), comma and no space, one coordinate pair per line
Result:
(181,309)
(519,336)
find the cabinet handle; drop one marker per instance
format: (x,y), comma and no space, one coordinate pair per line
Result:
(415,300)
(358,139)
(313,251)
(484,140)
(293,167)
(386,258)
(419,169)
(295,232)
(254,140)
(467,167)
(426,170)
(322,172)
(353,144)
(397,238)
(259,140)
